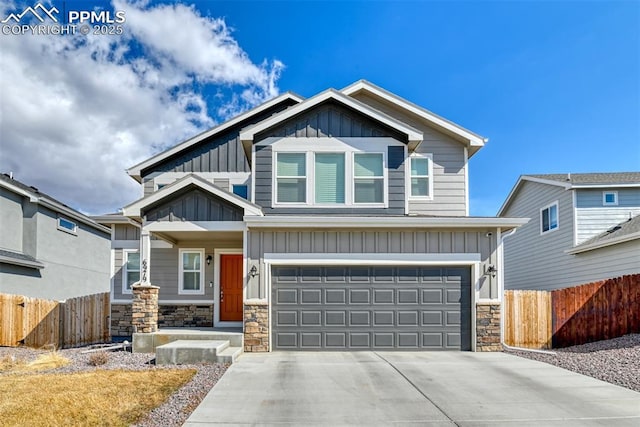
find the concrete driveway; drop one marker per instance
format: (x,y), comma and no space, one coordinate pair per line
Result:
(431,388)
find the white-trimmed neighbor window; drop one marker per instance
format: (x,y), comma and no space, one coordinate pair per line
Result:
(191,278)
(291,178)
(368,178)
(130,269)
(610,198)
(420,170)
(329,178)
(549,218)
(67,225)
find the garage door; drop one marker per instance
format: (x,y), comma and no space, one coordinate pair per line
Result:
(371,308)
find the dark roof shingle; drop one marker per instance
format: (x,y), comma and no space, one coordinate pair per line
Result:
(604,178)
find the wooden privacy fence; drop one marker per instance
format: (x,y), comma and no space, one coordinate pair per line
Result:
(581,314)
(35,322)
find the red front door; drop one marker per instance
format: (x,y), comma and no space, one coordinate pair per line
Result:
(230,288)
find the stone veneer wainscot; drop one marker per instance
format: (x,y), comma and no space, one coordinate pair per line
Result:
(488,327)
(256,326)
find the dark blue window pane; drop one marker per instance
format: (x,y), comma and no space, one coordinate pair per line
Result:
(241,190)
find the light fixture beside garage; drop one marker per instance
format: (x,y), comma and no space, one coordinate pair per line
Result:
(253,272)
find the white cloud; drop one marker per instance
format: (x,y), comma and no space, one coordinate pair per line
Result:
(75,111)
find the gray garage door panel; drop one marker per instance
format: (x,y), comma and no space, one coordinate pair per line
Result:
(371,308)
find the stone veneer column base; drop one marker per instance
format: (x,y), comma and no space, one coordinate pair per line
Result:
(121,316)
(256,326)
(488,326)
(145,308)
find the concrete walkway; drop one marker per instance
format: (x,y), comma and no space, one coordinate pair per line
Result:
(430,388)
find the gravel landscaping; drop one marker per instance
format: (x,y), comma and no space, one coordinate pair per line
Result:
(174,412)
(616,361)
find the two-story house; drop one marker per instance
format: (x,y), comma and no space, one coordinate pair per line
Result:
(47,249)
(335,222)
(585,227)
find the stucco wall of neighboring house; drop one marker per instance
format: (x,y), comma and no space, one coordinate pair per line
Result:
(11,226)
(74,264)
(382,241)
(593,218)
(449,164)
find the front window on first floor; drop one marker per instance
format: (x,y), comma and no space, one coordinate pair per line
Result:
(191,271)
(130,270)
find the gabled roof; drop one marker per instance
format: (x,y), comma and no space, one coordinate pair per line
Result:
(38,197)
(473,141)
(414,136)
(15,258)
(623,232)
(570,181)
(135,171)
(134,209)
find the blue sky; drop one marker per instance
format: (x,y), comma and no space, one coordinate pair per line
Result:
(555,86)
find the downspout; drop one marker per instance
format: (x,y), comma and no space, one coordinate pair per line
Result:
(501,290)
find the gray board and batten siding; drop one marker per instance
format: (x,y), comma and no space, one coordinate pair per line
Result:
(371,308)
(374,242)
(126,232)
(193,204)
(539,262)
(219,153)
(449,164)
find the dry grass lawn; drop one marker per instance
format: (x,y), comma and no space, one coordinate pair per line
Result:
(100,397)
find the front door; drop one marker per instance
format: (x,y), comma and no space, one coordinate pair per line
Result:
(230,288)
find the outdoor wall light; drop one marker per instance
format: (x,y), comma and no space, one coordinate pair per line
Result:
(253,272)
(209,258)
(491,270)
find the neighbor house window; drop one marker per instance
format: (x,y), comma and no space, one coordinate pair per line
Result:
(291,178)
(420,176)
(130,270)
(549,217)
(610,198)
(368,178)
(191,271)
(66,225)
(329,178)
(241,190)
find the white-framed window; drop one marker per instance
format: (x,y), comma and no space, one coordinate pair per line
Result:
(368,178)
(191,274)
(549,218)
(67,225)
(610,198)
(291,178)
(329,178)
(420,173)
(130,269)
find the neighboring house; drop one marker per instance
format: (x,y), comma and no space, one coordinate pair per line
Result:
(335,222)
(47,249)
(584,228)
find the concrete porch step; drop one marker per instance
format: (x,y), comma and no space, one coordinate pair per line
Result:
(183,352)
(148,342)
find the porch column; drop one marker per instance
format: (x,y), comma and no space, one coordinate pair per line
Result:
(145,257)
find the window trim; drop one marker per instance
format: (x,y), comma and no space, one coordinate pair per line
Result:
(181,271)
(349,152)
(604,198)
(549,206)
(429,157)
(276,177)
(65,229)
(125,270)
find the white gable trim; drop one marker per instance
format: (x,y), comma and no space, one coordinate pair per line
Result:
(413,135)
(472,138)
(136,170)
(135,208)
(516,188)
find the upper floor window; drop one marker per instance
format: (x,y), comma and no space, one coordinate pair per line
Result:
(610,198)
(291,178)
(368,178)
(241,190)
(191,275)
(130,270)
(331,179)
(66,225)
(420,167)
(549,218)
